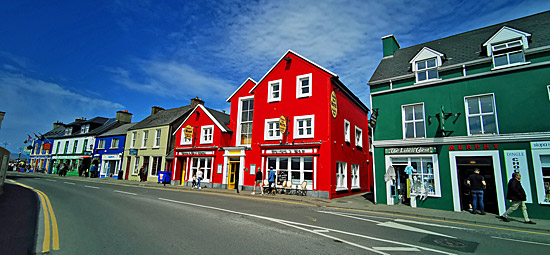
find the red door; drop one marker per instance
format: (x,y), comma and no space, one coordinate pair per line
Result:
(127,168)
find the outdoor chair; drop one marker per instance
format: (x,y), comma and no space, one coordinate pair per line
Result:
(303,189)
(265,186)
(288,187)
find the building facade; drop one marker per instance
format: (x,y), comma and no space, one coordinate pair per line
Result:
(109,148)
(473,100)
(41,153)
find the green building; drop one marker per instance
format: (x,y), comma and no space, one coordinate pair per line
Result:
(479,99)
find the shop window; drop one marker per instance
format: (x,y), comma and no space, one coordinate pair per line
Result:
(413,121)
(341,176)
(101,144)
(355,176)
(272,131)
(545,168)
(184,140)
(203,163)
(481,115)
(114,143)
(274,91)
(136,166)
(85,145)
(508,53)
(207,134)
(298,169)
(155,168)
(144,140)
(158,132)
(304,126)
(244,132)
(423,174)
(346,131)
(133,144)
(303,86)
(358,137)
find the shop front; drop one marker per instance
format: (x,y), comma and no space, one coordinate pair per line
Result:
(110,165)
(187,163)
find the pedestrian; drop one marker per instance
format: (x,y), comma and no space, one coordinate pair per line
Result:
(468,195)
(258,182)
(94,171)
(271,180)
(65,169)
(237,181)
(194,183)
(516,194)
(477,185)
(199,177)
(142,174)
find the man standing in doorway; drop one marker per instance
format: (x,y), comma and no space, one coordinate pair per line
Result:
(477,185)
(199,176)
(517,195)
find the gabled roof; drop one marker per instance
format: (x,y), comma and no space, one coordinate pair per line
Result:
(219,118)
(237,90)
(281,59)
(120,130)
(55,133)
(162,118)
(464,47)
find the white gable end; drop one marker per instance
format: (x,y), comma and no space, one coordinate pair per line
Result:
(506,34)
(427,53)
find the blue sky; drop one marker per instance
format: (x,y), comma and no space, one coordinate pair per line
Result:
(60,60)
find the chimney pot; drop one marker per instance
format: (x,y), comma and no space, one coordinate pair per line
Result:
(124,116)
(156,109)
(196,101)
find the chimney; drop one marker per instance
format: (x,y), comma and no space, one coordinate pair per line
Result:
(156,109)
(58,124)
(81,118)
(389,45)
(124,116)
(196,101)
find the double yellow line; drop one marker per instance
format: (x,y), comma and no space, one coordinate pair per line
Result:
(51,236)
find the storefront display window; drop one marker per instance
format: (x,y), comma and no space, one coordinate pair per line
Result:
(299,169)
(156,166)
(205,164)
(545,167)
(422,174)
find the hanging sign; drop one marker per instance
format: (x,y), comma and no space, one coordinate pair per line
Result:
(516,162)
(373,117)
(333,104)
(282,124)
(188,131)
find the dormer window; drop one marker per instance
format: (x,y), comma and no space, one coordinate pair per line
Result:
(85,129)
(508,53)
(425,65)
(68,131)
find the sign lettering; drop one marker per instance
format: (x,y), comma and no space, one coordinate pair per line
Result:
(410,150)
(185,153)
(282,124)
(290,151)
(516,162)
(470,147)
(540,145)
(333,104)
(188,132)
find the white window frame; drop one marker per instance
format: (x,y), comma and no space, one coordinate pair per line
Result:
(183,140)
(548,88)
(341,173)
(210,139)
(480,114)
(435,165)
(414,121)
(136,166)
(507,52)
(144,139)
(347,128)
(158,133)
(267,137)
(133,142)
(426,70)
(159,164)
(539,178)
(207,171)
(358,138)
(299,78)
(288,168)
(304,117)
(101,144)
(355,183)
(113,142)
(240,122)
(270,97)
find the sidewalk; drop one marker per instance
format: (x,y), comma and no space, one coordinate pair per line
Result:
(353,202)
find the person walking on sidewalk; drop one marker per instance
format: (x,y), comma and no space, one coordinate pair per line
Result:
(271,180)
(477,185)
(258,182)
(199,176)
(516,194)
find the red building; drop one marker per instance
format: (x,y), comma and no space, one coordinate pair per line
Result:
(299,119)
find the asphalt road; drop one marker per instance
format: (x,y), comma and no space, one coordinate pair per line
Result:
(100,218)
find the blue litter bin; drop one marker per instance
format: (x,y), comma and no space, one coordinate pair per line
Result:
(164,177)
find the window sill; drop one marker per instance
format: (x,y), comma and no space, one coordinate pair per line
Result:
(303,96)
(304,137)
(341,189)
(113,148)
(427,81)
(355,187)
(483,134)
(273,138)
(274,100)
(206,142)
(508,66)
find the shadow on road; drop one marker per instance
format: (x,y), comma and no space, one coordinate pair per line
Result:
(19,209)
(369,196)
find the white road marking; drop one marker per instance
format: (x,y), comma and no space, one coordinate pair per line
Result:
(69,183)
(50,180)
(91,187)
(316,229)
(124,192)
(431,224)
(521,241)
(395,249)
(361,215)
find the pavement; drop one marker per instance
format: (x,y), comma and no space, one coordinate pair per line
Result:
(361,201)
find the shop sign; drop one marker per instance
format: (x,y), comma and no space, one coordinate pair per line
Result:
(473,147)
(373,117)
(540,145)
(188,131)
(47,146)
(133,151)
(290,151)
(333,105)
(187,153)
(516,162)
(282,124)
(411,150)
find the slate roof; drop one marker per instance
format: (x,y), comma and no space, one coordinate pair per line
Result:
(54,133)
(162,118)
(221,117)
(464,47)
(120,130)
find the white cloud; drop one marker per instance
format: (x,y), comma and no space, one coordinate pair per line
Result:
(32,105)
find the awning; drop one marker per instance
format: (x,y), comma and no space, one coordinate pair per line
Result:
(170,155)
(86,157)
